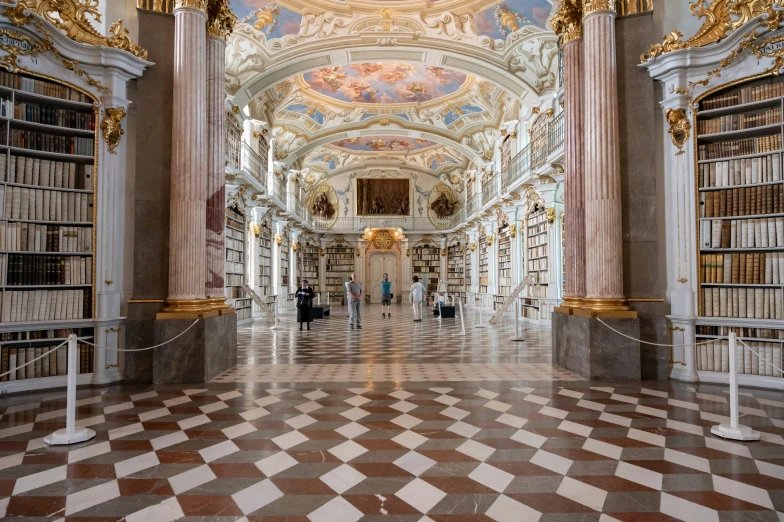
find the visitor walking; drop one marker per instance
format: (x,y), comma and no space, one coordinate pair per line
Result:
(386,295)
(304,304)
(354,289)
(417,296)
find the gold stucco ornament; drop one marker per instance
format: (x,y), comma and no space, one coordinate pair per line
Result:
(111,127)
(680,127)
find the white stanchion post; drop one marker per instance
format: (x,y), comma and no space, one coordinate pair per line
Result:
(516,336)
(462,321)
(481,306)
(71,434)
(734,430)
(327,298)
(439,312)
(318,298)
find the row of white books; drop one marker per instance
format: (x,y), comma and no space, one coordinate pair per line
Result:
(233,255)
(45,305)
(234,280)
(742,233)
(425,257)
(235,244)
(234,268)
(536,291)
(46,205)
(539,251)
(29,237)
(714,357)
(740,171)
(235,234)
(749,270)
(45,173)
(56,363)
(748,303)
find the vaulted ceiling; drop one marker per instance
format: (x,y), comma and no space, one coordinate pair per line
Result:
(422,83)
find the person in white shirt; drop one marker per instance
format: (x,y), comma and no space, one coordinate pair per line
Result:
(417,295)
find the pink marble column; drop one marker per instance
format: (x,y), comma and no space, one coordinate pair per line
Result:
(188,199)
(574,213)
(216,186)
(603,246)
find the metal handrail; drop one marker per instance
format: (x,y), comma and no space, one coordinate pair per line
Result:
(555,133)
(518,168)
(252,163)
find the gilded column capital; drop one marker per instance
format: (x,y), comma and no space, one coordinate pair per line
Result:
(567,22)
(220,19)
(591,6)
(201,5)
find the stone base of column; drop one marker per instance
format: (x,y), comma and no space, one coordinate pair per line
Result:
(205,351)
(193,309)
(219,303)
(588,348)
(568,305)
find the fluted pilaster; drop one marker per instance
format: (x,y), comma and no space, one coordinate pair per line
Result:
(604,256)
(188,198)
(574,213)
(216,186)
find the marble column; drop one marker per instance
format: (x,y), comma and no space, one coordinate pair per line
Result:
(219,24)
(603,247)
(188,199)
(574,213)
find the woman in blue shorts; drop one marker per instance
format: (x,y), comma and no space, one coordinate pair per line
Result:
(386,295)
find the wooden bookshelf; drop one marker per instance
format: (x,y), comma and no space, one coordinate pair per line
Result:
(468,271)
(47,226)
(484,251)
(563,255)
(340,264)
(426,263)
(265,260)
(537,265)
(236,244)
(284,264)
(740,202)
(455,270)
(504,262)
(308,266)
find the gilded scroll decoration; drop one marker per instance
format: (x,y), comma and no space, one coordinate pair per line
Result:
(70,16)
(111,127)
(568,21)
(591,6)
(220,19)
(680,127)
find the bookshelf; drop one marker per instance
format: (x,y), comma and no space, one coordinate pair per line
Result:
(484,251)
(340,264)
(47,227)
(740,202)
(537,264)
(455,270)
(563,255)
(426,263)
(236,243)
(308,266)
(468,269)
(265,260)
(284,264)
(504,266)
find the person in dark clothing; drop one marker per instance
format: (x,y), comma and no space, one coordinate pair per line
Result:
(305,296)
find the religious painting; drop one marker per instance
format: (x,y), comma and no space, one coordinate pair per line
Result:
(385,82)
(383,197)
(266,17)
(507,17)
(384,144)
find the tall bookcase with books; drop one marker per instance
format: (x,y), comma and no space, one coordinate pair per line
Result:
(340,264)
(484,251)
(265,260)
(47,227)
(537,264)
(308,266)
(741,227)
(284,264)
(455,271)
(504,266)
(236,243)
(426,263)
(467,255)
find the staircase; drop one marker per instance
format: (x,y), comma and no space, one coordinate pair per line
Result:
(528,280)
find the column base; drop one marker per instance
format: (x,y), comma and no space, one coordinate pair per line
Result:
(189,309)
(612,308)
(586,347)
(205,351)
(218,303)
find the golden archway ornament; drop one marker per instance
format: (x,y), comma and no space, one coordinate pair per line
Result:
(680,127)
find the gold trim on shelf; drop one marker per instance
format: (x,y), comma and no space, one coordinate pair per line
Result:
(70,16)
(111,128)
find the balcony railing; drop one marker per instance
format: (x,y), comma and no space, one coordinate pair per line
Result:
(233,154)
(489,190)
(472,205)
(296,207)
(555,134)
(279,189)
(518,168)
(252,163)
(407,223)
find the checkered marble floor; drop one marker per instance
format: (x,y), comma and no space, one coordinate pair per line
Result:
(462,450)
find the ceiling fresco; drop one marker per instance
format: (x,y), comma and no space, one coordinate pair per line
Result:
(383,144)
(266,17)
(385,82)
(507,17)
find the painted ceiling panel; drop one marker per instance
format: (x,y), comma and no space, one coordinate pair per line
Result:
(507,17)
(385,82)
(266,17)
(383,144)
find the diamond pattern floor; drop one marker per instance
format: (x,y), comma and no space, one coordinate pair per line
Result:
(455,449)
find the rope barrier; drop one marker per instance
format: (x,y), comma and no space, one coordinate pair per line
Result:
(144,349)
(9,372)
(657,344)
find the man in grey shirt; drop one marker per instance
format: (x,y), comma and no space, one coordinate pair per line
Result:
(354,289)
